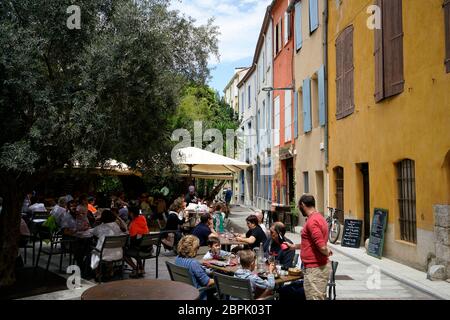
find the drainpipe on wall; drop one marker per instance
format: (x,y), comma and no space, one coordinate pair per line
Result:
(325,63)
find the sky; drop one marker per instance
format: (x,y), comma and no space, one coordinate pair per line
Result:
(239,23)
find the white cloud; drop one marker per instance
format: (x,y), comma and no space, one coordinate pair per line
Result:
(239,23)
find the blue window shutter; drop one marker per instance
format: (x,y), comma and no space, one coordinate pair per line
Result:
(295,115)
(307,105)
(313,15)
(322,116)
(298,25)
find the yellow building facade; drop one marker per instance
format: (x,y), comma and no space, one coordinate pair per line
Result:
(372,147)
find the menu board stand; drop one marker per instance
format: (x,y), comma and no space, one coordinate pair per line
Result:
(377,231)
(351,236)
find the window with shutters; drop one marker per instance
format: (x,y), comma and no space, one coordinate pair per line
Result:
(446,7)
(307,126)
(249,97)
(276,125)
(298,25)
(287,116)
(344,74)
(314,101)
(407,200)
(388,51)
(300,113)
(286,28)
(313,15)
(276,40)
(339,192)
(305,182)
(321,84)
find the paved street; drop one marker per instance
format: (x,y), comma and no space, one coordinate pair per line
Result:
(352,275)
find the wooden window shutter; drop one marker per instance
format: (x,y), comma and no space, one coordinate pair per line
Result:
(349,105)
(298,25)
(307,123)
(392,47)
(447,34)
(340,75)
(322,109)
(378,53)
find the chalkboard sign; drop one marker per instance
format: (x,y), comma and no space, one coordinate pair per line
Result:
(352,233)
(377,230)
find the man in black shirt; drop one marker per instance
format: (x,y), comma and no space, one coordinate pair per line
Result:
(255,235)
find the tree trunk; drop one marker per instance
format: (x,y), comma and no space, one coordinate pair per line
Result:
(9,227)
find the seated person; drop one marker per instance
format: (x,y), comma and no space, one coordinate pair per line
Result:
(59,210)
(137,228)
(214,250)
(92,211)
(204,229)
(108,227)
(255,235)
(274,246)
(187,251)
(68,222)
(175,219)
(261,288)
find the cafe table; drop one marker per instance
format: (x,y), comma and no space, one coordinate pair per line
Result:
(141,289)
(227,240)
(231,268)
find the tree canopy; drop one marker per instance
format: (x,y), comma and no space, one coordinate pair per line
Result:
(86,95)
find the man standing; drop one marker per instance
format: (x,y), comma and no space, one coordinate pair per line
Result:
(191,196)
(314,252)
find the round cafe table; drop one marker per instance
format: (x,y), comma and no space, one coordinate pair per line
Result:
(141,289)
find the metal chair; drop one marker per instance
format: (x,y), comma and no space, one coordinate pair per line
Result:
(112,242)
(56,246)
(182,274)
(178,273)
(145,250)
(332,281)
(229,286)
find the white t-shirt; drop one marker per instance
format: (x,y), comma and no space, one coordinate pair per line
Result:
(37,207)
(109,254)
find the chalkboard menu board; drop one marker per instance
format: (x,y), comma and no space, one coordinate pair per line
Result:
(352,233)
(377,230)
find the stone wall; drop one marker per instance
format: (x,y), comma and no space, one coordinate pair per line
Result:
(442,235)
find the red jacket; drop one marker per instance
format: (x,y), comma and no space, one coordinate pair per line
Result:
(314,236)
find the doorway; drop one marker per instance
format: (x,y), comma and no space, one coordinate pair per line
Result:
(290,181)
(320,192)
(364,168)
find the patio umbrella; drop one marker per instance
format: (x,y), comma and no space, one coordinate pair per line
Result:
(201,162)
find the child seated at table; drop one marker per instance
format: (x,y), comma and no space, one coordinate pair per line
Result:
(261,288)
(214,250)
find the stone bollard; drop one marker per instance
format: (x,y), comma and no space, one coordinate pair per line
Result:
(442,240)
(437,272)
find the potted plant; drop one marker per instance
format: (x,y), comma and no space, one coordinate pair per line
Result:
(295,213)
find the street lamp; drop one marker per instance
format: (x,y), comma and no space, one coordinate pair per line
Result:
(273,89)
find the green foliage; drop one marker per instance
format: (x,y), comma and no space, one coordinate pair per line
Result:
(201,103)
(104,91)
(108,184)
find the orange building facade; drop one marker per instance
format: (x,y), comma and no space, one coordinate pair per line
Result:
(283,105)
